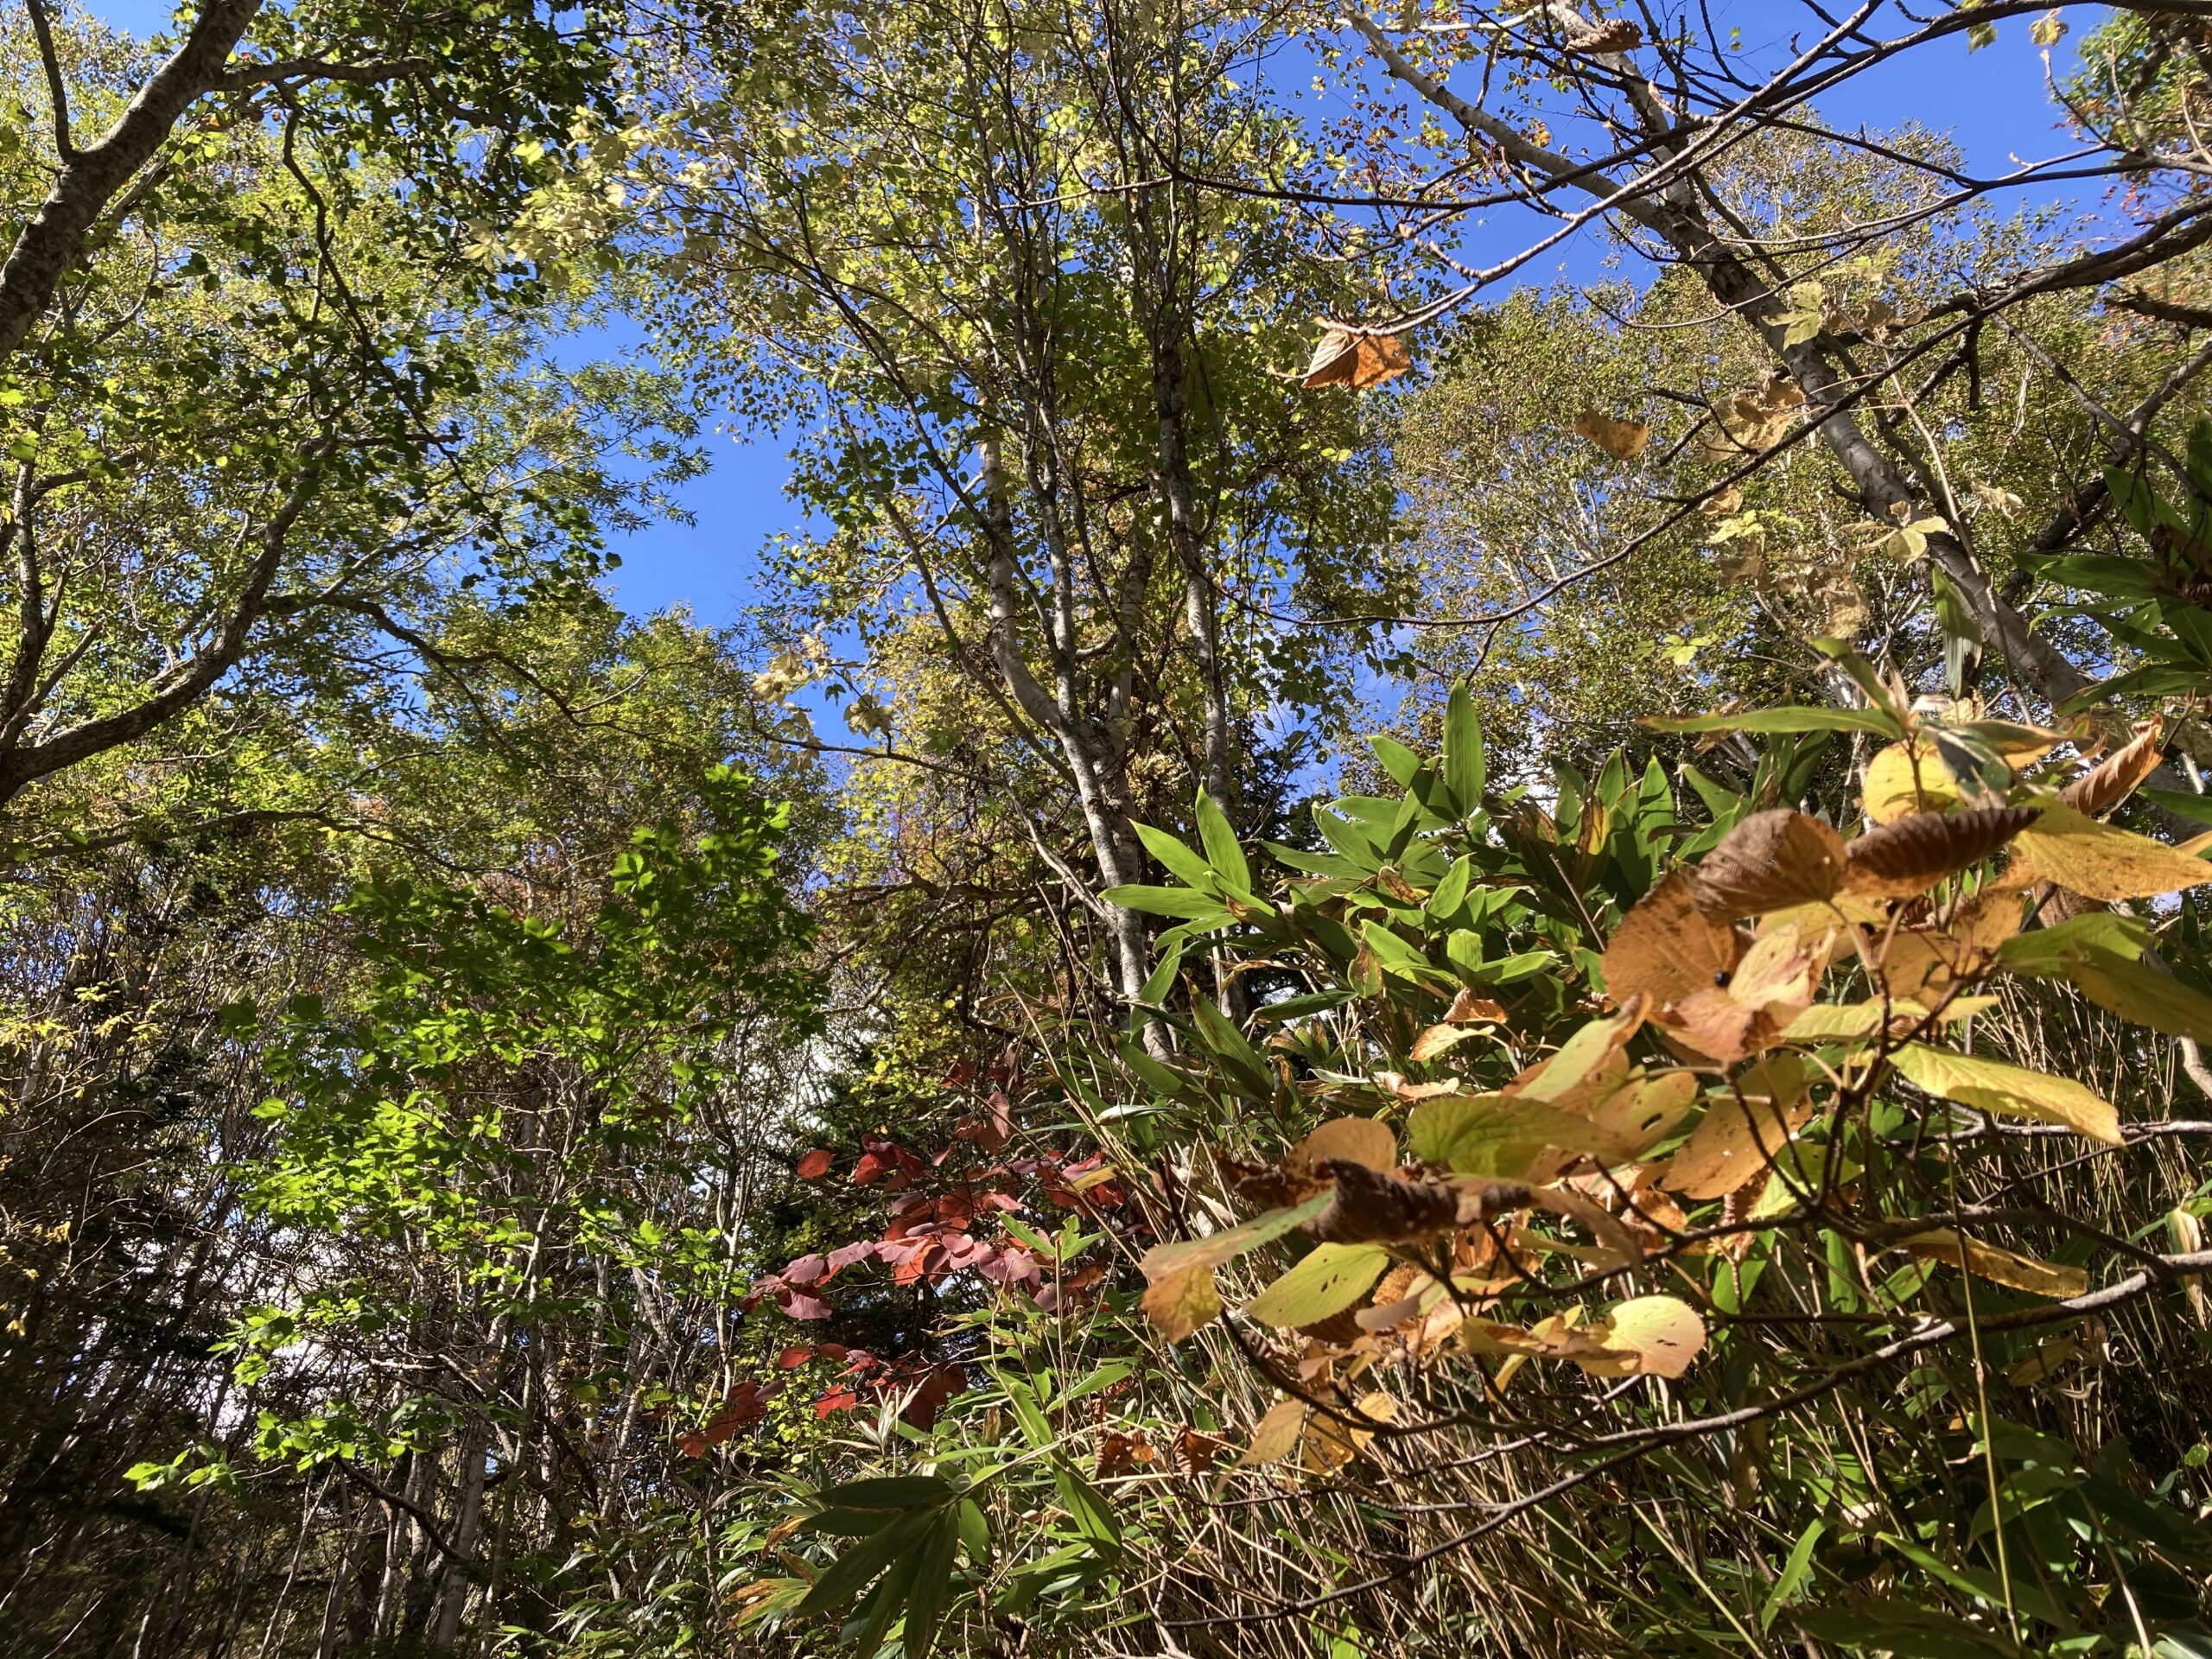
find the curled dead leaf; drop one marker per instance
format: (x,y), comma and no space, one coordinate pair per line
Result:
(1346,357)
(1372,1206)
(1911,854)
(2115,778)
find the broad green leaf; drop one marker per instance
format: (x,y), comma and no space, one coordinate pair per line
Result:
(1785,720)
(2043,951)
(1185,904)
(1174,857)
(888,1492)
(858,1566)
(1400,762)
(1462,750)
(1502,1136)
(933,1587)
(1328,1280)
(2009,1090)
(1222,852)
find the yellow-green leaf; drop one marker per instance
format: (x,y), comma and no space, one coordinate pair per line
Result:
(2009,1090)
(2102,861)
(1328,1281)
(2001,1266)
(1181,1302)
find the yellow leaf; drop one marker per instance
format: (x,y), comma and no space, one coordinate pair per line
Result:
(1649,1336)
(1359,1139)
(1582,1054)
(1345,357)
(2000,1267)
(2011,1090)
(2102,862)
(1330,1444)
(1742,1131)
(1905,779)
(1183,1301)
(1275,1436)
(1667,948)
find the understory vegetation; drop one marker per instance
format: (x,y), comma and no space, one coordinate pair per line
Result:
(1449,895)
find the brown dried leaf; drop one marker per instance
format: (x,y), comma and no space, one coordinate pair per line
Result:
(1467,1008)
(1915,852)
(1621,440)
(1770,861)
(1437,1039)
(2116,777)
(1667,948)
(1613,35)
(1371,1207)
(1345,357)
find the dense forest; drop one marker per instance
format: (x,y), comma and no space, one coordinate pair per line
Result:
(1447,895)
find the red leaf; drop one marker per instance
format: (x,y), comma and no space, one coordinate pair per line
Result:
(815,1164)
(692,1444)
(799,1306)
(836,1400)
(962,1072)
(793,1356)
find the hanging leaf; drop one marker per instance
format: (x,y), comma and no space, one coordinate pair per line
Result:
(1919,849)
(2009,1090)
(1345,357)
(1621,440)
(1583,1053)
(1769,861)
(2097,860)
(1328,1280)
(2001,1266)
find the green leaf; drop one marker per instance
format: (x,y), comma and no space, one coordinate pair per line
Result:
(933,1587)
(861,1565)
(2042,951)
(888,1492)
(1400,762)
(1792,1574)
(1089,1509)
(1214,1249)
(2009,1090)
(1785,720)
(1464,767)
(1329,1280)
(1501,1135)
(1222,852)
(1186,903)
(1174,857)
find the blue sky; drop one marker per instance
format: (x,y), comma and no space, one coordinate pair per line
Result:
(1992,102)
